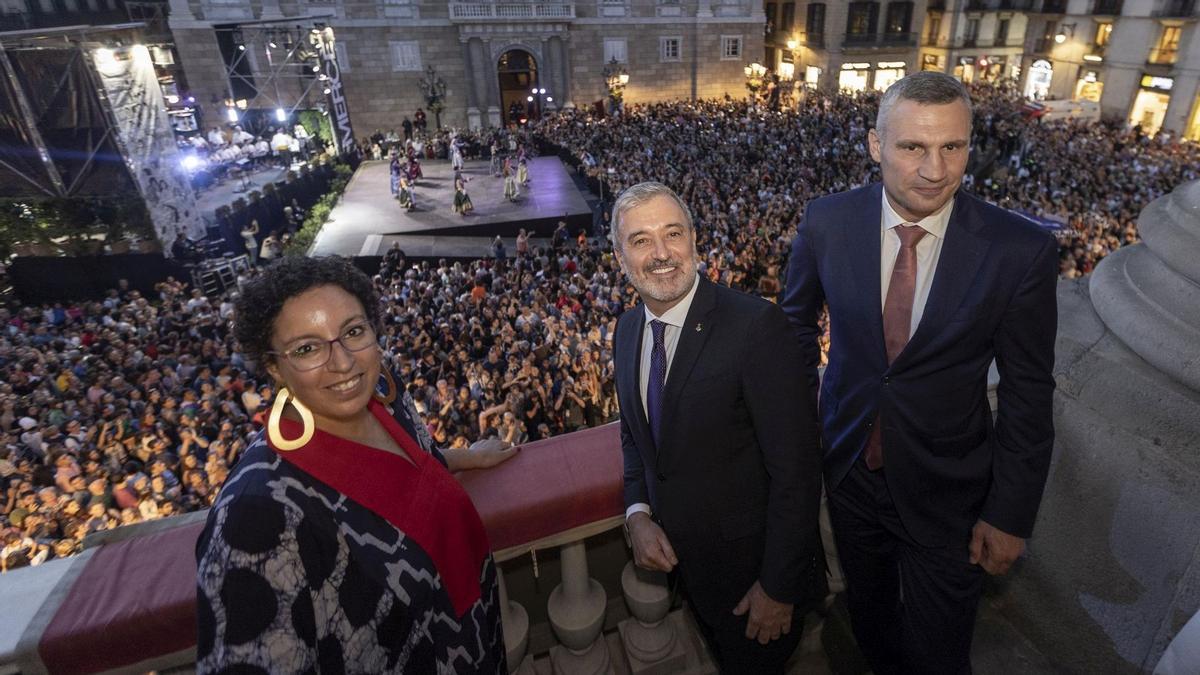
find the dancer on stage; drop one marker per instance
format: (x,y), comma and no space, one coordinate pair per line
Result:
(523,172)
(494,169)
(406,193)
(414,170)
(511,191)
(395,169)
(462,200)
(456,157)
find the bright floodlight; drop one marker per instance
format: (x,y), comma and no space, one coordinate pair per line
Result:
(192,162)
(550,99)
(105,55)
(280,114)
(1060,38)
(231,114)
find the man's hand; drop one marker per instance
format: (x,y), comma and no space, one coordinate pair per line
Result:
(651,550)
(768,619)
(994,550)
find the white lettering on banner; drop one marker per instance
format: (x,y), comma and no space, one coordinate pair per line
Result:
(337,99)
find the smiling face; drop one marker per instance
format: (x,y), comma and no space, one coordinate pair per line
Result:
(337,392)
(922,155)
(656,248)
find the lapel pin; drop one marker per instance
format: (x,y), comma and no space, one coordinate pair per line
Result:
(699,327)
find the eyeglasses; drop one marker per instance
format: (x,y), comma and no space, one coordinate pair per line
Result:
(315,353)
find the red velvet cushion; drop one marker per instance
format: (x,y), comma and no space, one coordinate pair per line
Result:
(551,486)
(135,599)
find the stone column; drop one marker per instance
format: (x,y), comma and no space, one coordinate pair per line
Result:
(516,630)
(576,611)
(181,10)
(488,78)
(271,10)
(472,74)
(568,101)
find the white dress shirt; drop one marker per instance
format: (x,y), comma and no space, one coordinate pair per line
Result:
(929,249)
(674,319)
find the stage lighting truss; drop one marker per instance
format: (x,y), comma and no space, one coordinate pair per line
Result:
(278,63)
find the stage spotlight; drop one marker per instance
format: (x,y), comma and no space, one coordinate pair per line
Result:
(105,55)
(316,69)
(327,90)
(191,99)
(529,98)
(542,91)
(281,114)
(231,115)
(192,162)
(550,99)
(172,99)
(241,48)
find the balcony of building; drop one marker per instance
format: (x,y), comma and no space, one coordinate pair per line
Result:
(1053,7)
(36,14)
(1176,9)
(935,6)
(868,41)
(1107,7)
(571,599)
(989,42)
(1016,5)
(461,12)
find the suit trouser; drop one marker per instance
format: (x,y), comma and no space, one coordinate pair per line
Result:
(912,607)
(734,653)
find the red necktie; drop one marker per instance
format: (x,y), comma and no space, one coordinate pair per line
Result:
(897,319)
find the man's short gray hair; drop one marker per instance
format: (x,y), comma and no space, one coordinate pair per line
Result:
(639,194)
(926,87)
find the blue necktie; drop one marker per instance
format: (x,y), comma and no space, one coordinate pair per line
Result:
(658,377)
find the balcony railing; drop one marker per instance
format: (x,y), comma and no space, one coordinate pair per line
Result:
(1016,5)
(936,6)
(1054,6)
(967,42)
(559,495)
(505,11)
(1176,9)
(1044,45)
(878,40)
(977,5)
(1163,56)
(1107,7)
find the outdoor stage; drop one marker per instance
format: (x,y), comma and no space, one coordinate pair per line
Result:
(368,219)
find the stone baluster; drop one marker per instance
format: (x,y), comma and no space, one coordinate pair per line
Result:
(651,642)
(576,610)
(516,630)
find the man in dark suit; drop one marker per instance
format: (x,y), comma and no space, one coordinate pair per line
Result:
(722,461)
(925,286)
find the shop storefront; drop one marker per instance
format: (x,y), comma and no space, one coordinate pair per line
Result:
(854,76)
(1150,105)
(1089,87)
(1038,84)
(887,73)
(932,62)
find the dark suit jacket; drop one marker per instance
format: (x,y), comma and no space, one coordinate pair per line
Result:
(993,296)
(736,483)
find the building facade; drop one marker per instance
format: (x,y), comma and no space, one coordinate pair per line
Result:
(490,57)
(1139,60)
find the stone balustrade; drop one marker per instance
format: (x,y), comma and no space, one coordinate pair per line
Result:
(507,11)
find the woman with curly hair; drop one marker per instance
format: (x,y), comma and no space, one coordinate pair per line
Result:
(341,542)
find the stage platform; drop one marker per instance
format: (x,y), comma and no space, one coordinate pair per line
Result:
(368,218)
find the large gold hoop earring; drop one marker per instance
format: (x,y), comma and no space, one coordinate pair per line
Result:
(306,416)
(390,396)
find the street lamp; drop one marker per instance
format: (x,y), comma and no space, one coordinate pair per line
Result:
(434,90)
(615,78)
(539,93)
(1067,30)
(755,79)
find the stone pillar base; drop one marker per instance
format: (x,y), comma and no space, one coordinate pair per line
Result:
(526,667)
(474,120)
(493,117)
(698,661)
(652,649)
(594,660)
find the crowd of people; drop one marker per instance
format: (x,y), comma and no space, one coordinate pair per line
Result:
(135,408)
